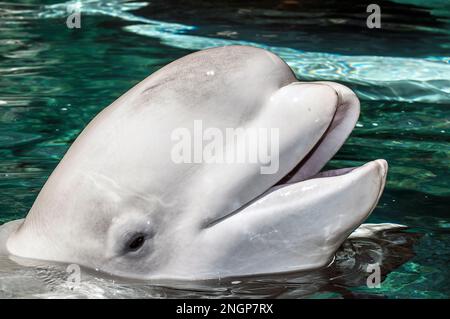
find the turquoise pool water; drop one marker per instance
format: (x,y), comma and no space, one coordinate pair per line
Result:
(53,80)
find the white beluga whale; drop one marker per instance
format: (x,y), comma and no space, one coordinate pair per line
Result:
(119,202)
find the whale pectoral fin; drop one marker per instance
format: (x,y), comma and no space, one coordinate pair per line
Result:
(296,226)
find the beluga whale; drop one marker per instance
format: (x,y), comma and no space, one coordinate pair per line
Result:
(134,197)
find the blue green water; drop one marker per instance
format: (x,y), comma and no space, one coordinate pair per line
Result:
(53,80)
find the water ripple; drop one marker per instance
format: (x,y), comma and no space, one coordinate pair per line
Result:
(374,77)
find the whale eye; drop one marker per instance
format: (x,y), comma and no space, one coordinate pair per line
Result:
(136,242)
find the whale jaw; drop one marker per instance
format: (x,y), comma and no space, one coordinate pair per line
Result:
(292,227)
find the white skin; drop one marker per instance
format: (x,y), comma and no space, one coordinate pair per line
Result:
(118,203)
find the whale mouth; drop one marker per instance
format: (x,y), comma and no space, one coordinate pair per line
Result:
(339,129)
(310,166)
(301,221)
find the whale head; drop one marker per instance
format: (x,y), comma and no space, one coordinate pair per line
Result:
(151,189)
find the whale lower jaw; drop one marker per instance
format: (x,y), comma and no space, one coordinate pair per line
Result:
(292,227)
